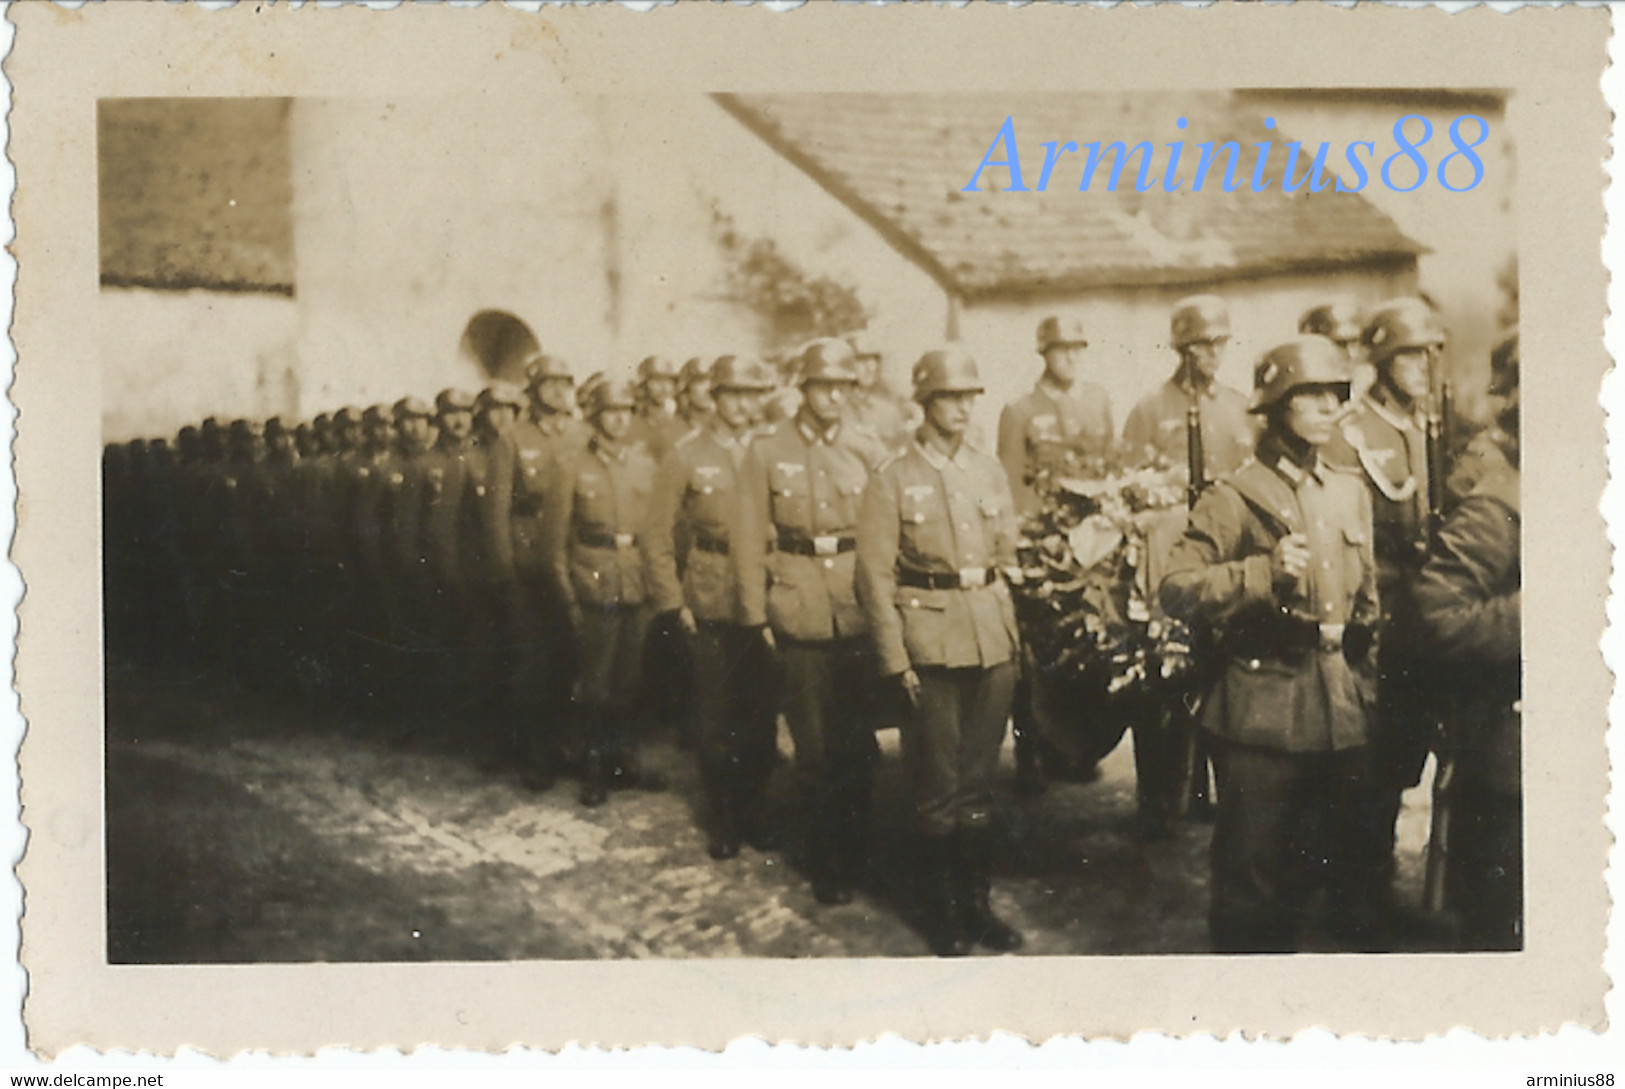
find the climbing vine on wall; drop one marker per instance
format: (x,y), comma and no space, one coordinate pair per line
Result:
(795,305)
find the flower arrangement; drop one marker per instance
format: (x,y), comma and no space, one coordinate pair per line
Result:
(1083,597)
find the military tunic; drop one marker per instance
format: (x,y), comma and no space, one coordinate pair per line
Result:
(689,550)
(1289,711)
(935,532)
(796,542)
(1387,447)
(1046,429)
(595,508)
(658,428)
(1469,598)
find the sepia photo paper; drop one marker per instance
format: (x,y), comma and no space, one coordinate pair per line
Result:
(589,526)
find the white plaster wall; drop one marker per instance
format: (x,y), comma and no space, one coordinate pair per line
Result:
(1129,353)
(690,156)
(170,358)
(411,215)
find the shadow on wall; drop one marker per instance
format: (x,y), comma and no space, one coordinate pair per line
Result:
(499,343)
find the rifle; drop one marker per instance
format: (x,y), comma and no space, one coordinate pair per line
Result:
(1444,772)
(1194,457)
(1192,782)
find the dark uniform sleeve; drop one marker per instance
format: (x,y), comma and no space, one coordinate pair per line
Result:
(879,538)
(659,535)
(1468,593)
(556,526)
(495,511)
(1207,579)
(750,539)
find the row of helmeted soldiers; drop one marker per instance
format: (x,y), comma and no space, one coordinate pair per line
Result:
(497,561)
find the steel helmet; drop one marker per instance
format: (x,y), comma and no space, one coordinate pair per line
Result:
(610,393)
(500,394)
(740,372)
(1399,324)
(656,366)
(946,370)
(541,366)
(454,400)
(1198,318)
(1302,361)
(696,372)
(1339,321)
(410,407)
(827,360)
(1053,331)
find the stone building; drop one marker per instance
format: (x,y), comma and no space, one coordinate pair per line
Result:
(288,256)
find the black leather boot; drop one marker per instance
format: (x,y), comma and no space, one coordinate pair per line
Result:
(594,780)
(722,796)
(940,914)
(973,872)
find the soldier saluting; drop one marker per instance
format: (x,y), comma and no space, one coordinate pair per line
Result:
(938,525)
(1277,559)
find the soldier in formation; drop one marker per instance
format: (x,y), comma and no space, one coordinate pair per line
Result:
(1277,559)
(1197,421)
(1383,441)
(493,564)
(937,534)
(690,551)
(1469,603)
(1063,427)
(797,541)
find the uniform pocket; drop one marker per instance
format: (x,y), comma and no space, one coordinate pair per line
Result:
(925,625)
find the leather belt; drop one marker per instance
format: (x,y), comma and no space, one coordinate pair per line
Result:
(815,546)
(966,578)
(607,540)
(716,545)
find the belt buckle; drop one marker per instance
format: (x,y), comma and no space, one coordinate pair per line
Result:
(624,540)
(1331,638)
(826,546)
(972,576)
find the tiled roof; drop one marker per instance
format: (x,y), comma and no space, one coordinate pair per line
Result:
(902,161)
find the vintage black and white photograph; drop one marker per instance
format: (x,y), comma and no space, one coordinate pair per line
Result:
(810,525)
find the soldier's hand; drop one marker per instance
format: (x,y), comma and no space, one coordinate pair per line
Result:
(685,620)
(1289,561)
(767,637)
(910,681)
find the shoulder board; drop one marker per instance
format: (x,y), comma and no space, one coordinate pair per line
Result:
(686,439)
(888,461)
(766,431)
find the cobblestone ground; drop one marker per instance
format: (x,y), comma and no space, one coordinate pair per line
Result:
(243,831)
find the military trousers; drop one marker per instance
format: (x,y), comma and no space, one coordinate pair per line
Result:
(951,744)
(735,708)
(1484,879)
(827,705)
(1288,824)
